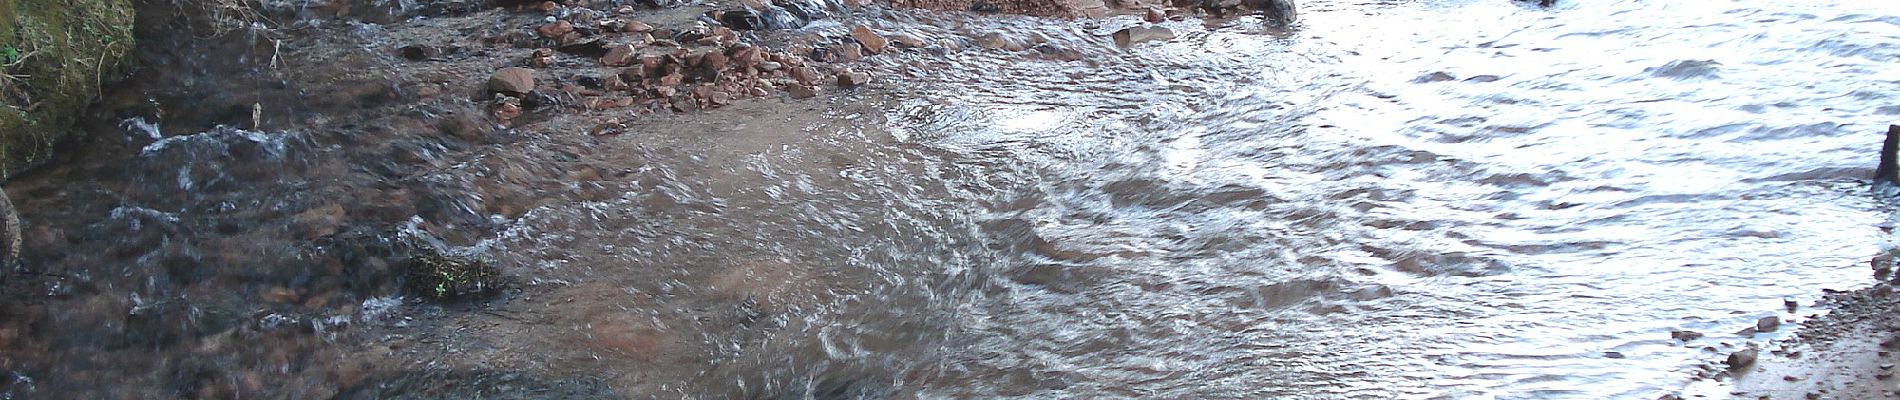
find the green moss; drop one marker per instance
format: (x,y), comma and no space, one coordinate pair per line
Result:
(57,54)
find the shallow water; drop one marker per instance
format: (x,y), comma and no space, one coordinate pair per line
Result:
(1394,200)
(1474,199)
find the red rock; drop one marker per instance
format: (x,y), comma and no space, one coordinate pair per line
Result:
(853,79)
(673,79)
(637,26)
(512,80)
(802,91)
(555,29)
(871,41)
(851,52)
(619,56)
(745,55)
(725,35)
(806,75)
(664,91)
(548,6)
(1155,15)
(714,61)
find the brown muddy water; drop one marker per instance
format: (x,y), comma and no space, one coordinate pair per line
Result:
(1468,199)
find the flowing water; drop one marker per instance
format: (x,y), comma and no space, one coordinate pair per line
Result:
(1466,199)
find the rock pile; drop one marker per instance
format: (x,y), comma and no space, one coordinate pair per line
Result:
(636,65)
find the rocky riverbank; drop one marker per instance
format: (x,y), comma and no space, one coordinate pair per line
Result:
(1844,349)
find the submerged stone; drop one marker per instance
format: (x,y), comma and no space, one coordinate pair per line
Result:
(433,273)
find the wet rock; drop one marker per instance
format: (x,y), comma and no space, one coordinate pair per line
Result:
(1138,34)
(853,79)
(1614,355)
(1742,359)
(1685,335)
(514,80)
(1282,13)
(555,30)
(620,56)
(433,273)
(1768,324)
(802,91)
(872,42)
(1439,76)
(320,221)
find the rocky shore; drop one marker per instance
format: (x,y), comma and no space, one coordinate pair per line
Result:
(1844,349)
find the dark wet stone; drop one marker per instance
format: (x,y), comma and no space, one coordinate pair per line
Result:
(1768,324)
(1685,335)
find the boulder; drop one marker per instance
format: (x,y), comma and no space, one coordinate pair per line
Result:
(515,80)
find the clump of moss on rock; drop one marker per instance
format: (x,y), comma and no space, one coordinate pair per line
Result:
(433,273)
(54,56)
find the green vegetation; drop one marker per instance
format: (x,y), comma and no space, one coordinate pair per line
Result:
(54,57)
